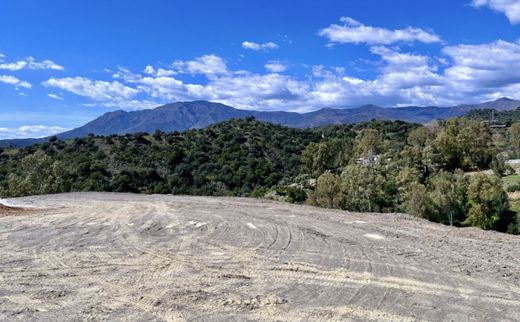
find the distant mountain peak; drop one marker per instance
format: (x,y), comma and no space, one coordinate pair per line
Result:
(182,116)
(193,105)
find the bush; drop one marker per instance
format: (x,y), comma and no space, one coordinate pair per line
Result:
(296,195)
(513,188)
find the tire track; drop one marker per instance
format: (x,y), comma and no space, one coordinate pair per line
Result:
(122,256)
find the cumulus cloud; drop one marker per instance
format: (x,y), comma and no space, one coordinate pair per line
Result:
(150,70)
(259,47)
(403,79)
(30,131)
(207,65)
(464,73)
(353,31)
(511,8)
(96,90)
(29,63)
(275,66)
(11,80)
(250,91)
(486,68)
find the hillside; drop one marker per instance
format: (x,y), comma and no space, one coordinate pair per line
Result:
(199,114)
(499,117)
(92,256)
(378,166)
(235,157)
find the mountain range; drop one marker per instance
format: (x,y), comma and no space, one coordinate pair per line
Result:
(182,116)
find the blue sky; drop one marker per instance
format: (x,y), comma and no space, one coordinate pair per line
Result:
(63,63)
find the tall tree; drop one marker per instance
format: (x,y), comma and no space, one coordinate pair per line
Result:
(327,191)
(38,174)
(514,136)
(487,200)
(447,196)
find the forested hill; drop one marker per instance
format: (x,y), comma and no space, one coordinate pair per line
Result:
(236,157)
(378,166)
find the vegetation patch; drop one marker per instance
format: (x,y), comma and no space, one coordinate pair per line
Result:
(378,166)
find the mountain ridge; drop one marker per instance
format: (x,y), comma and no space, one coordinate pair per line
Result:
(181,116)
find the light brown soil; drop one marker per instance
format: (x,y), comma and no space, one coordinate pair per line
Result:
(167,258)
(12,211)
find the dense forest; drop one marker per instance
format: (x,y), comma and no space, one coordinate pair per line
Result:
(433,172)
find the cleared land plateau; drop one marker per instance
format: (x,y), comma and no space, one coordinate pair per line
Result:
(100,256)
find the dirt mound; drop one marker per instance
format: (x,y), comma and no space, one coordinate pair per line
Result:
(11,211)
(171,258)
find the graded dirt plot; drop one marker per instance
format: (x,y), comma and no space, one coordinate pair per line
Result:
(166,258)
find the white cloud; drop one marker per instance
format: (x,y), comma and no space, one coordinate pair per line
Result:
(55,96)
(30,131)
(150,70)
(252,91)
(11,80)
(258,47)
(486,68)
(353,31)
(96,90)
(30,63)
(403,78)
(511,8)
(275,66)
(163,87)
(45,64)
(463,74)
(125,104)
(207,65)
(13,66)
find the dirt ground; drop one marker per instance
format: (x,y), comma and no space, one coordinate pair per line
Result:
(94,256)
(12,211)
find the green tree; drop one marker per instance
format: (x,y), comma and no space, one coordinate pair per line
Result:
(447,194)
(412,154)
(38,174)
(405,179)
(465,144)
(330,155)
(500,167)
(363,189)
(487,201)
(415,200)
(317,158)
(327,192)
(368,141)
(514,136)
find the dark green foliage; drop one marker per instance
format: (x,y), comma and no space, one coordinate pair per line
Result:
(498,117)
(391,167)
(513,188)
(232,158)
(489,206)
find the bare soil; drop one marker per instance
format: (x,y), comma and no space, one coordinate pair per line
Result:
(94,256)
(12,211)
